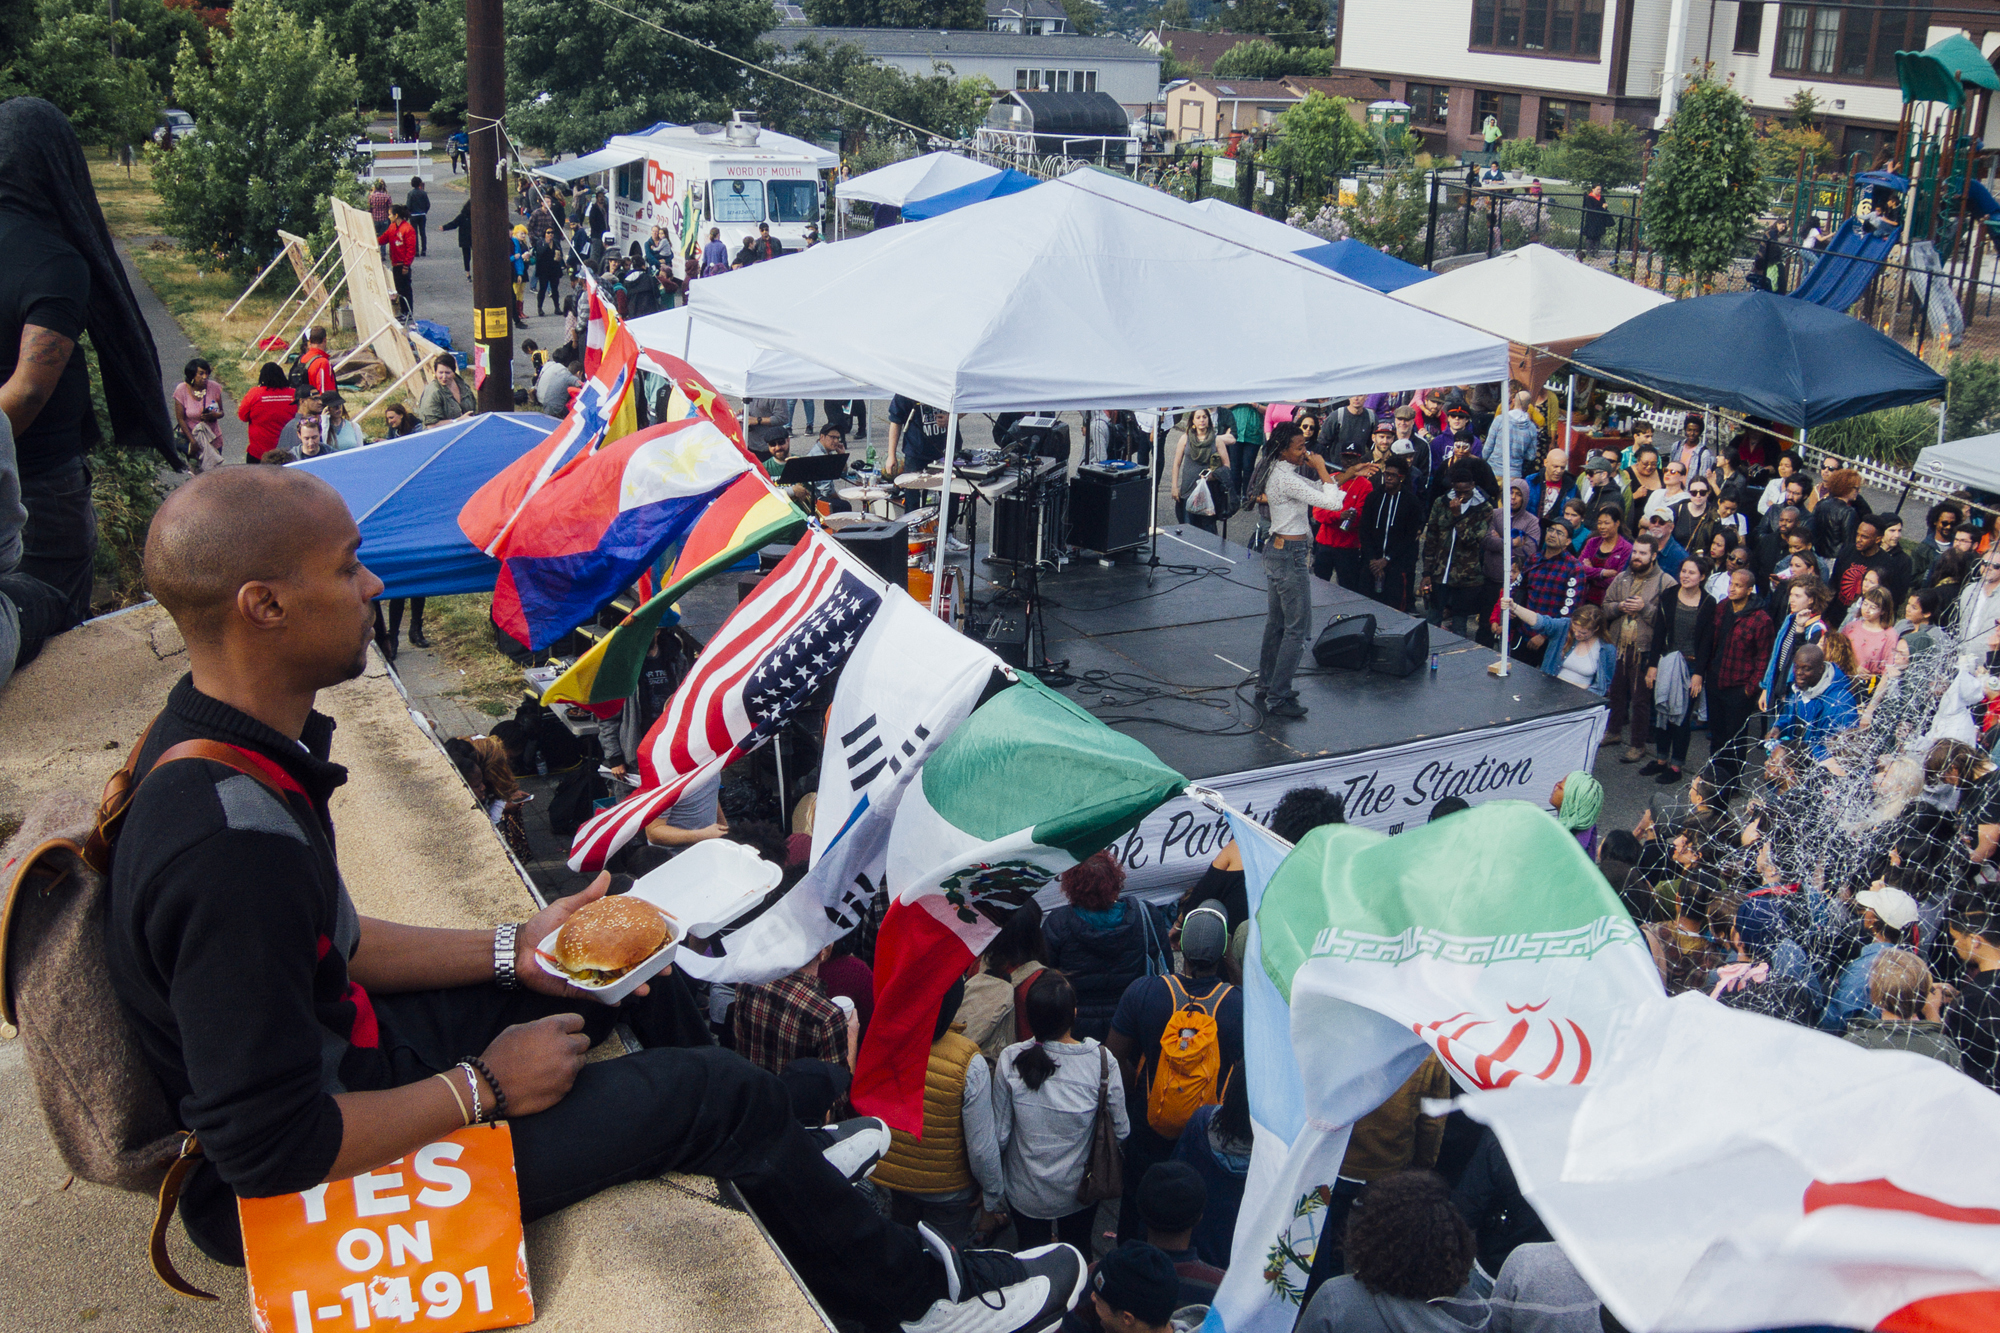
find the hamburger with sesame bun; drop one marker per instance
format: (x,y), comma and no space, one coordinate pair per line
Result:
(606,939)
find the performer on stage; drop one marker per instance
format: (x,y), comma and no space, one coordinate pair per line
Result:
(1288,556)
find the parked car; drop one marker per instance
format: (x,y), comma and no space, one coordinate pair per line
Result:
(173,127)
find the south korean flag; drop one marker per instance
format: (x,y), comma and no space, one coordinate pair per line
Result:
(908,684)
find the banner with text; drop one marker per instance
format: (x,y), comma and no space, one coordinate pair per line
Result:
(1387,790)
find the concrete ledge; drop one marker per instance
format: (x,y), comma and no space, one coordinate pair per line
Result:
(656,1255)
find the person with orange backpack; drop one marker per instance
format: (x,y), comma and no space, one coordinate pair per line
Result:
(1179,1039)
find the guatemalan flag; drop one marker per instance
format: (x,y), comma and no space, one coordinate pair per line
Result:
(781,644)
(1025,788)
(603,521)
(603,410)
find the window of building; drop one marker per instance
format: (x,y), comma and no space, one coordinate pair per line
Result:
(1749,26)
(1090,80)
(1503,107)
(1852,42)
(1429,103)
(1021,77)
(1062,80)
(1555,117)
(1539,27)
(1048,80)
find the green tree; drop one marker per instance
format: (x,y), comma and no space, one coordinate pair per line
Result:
(1391,216)
(161,28)
(1260,59)
(67,60)
(1289,22)
(278,129)
(1085,16)
(1704,190)
(432,52)
(365,31)
(933,14)
(1173,67)
(1317,139)
(1804,107)
(572,85)
(1596,154)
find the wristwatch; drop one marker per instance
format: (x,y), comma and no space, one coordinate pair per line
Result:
(504,975)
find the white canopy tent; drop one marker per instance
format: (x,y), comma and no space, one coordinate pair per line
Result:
(737,366)
(913,178)
(1090,292)
(1973,463)
(1534,296)
(604,159)
(1255,228)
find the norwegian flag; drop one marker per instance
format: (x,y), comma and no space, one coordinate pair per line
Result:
(777,648)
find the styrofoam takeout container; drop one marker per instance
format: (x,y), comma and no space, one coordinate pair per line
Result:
(703,889)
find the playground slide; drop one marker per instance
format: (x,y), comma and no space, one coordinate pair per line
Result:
(1846,266)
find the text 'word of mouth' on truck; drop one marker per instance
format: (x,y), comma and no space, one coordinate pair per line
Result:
(688,179)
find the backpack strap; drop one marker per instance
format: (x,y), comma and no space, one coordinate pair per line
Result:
(163,1216)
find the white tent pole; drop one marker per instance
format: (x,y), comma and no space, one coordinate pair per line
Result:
(1506,529)
(944,510)
(1569,415)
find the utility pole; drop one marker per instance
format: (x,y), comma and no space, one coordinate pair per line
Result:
(492,257)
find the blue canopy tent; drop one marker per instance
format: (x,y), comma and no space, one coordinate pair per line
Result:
(1366,265)
(1009,181)
(405,495)
(1763,355)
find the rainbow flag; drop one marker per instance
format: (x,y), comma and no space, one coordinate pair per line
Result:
(746,516)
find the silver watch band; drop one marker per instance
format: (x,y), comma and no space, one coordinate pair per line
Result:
(504,975)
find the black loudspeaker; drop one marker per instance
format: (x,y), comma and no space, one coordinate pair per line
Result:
(1046,436)
(1402,643)
(1016,537)
(1007,636)
(1346,642)
(883,547)
(1108,510)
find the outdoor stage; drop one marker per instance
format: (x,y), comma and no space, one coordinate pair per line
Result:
(1166,659)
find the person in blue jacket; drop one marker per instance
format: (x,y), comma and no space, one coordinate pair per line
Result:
(1577,650)
(1820,704)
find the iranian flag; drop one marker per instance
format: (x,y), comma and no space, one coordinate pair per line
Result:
(1025,788)
(1488,938)
(1724,1170)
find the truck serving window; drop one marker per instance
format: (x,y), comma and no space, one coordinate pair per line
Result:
(794,201)
(738,201)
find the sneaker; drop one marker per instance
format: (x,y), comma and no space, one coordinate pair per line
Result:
(1610,739)
(1632,756)
(1668,776)
(854,1146)
(953,546)
(992,1291)
(1285,708)
(1652,766)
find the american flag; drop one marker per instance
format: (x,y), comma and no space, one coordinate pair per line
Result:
(786,640)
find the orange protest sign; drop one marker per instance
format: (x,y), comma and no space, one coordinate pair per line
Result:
(432,1240)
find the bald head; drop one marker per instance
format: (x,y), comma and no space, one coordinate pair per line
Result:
(233,526)
(1808,665)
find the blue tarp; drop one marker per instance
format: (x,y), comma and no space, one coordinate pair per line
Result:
(405,495)
(1366,265)
(1763,355)
(1009,181)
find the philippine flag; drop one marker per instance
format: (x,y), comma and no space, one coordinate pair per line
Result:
(604,410)
(597,526)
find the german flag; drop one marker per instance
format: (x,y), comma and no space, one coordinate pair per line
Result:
(749,514)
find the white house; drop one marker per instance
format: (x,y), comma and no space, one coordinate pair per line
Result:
(1059,62)
(1030,18)
(1539,66)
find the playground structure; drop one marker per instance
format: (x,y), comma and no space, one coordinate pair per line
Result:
(1917,200)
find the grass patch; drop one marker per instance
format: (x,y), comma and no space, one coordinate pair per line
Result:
(460,629)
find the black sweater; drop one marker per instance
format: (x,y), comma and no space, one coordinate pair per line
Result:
(228,937)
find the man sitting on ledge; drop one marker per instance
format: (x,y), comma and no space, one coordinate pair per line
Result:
(299,1040)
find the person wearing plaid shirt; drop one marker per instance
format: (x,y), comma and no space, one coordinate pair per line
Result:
(792,1018)
(1743,635)
(1555,584)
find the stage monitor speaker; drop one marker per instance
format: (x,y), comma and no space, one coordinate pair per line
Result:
(1045,436)
(1402,643)
(883,547)
(1007,635)
(1346,642)
(1109,510)
(1015,538)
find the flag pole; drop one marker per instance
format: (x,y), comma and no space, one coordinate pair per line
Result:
(944,508)
(1506,531)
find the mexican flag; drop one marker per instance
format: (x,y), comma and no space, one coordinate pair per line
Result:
(1025,788)
(1489,938)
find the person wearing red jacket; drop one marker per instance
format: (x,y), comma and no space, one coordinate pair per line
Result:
(265,408)
(1337,537)
(401,238)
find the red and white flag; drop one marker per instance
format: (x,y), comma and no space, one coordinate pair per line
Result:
(779,645)
(1725,1171)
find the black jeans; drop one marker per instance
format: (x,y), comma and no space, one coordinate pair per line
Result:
(418,220)
(1670,740)
(59,543)
(38,612)
(395,624)
(401,273)
(702,1111)
(1731,711)
(1072,1230)
(465,253)
(1399,585)
(1144,1149)
(545,288)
